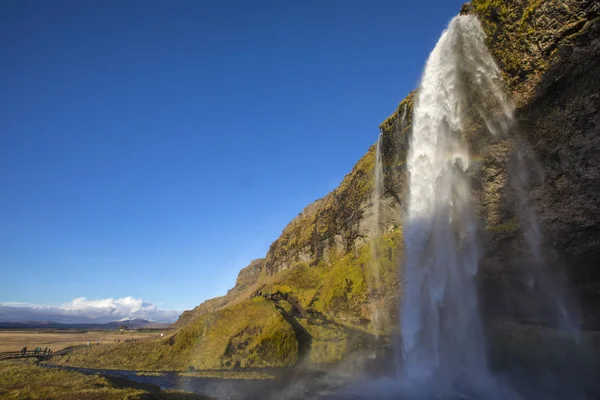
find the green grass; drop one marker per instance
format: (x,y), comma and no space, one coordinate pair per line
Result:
(249,334)
(509,226)
(27,381)
(144,355)
(329,343)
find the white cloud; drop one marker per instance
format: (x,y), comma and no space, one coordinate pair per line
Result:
(82,310)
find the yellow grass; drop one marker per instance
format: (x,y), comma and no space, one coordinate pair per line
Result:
(27,381)
(15,340)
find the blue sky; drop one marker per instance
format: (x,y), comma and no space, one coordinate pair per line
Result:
(152,149)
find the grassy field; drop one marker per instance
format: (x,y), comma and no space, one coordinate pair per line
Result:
(28,381)
(15,340)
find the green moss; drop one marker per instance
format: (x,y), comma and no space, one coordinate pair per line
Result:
(252,333)
(530,10)
(357,278)
(301,280)
(509,226)
(345,286)
(329,342)
(391,123)
(523,36)
(251,330)
(328,352)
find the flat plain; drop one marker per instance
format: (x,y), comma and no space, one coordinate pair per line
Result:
(14,340)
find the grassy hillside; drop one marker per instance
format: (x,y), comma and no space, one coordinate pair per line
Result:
(252,333)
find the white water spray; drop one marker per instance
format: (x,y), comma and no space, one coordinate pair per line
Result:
(400,125)
(377,196)
(378,312)
(442,334)
(378,186)
(544,291)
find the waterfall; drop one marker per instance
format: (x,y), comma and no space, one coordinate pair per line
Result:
(398,132)
(442,335)
(543,289)
(378,186)
(378,313)
(376,198)
(443,346)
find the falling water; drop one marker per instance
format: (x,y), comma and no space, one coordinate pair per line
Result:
(378,186)
(443,347)
(441,329)
(378,311)
(399,131)
(375,283)
(544,289)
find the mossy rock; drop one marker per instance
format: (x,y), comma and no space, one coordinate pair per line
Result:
(250,334)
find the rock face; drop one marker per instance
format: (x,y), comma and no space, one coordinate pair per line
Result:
(245,281)
(321,281)
(552,69)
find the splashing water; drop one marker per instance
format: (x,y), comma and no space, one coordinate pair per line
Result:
(442,336)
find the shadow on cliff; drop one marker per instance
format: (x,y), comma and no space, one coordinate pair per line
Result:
(529,338)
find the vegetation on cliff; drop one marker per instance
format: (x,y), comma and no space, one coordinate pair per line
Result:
(525,36)
(249,334)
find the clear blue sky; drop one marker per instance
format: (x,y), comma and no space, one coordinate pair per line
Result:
(153,148)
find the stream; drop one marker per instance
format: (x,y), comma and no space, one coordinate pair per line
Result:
(312,386)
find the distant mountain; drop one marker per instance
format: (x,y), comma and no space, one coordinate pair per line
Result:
(135,323)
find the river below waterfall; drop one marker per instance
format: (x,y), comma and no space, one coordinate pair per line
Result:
(332,385)
(306,386)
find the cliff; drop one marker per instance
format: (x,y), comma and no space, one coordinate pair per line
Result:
(330,284)
(549,52)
